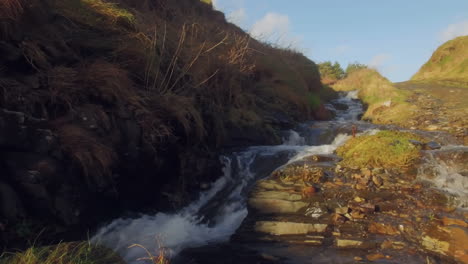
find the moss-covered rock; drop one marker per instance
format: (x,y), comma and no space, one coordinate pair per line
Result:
(386,149)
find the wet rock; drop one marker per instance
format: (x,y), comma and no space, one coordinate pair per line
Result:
(314,212)
(416,142)
(271,185)
(342,210)
(450,221)
(350,243)
(288,228)
(398,245)
(447,241)
(384,229)
(338,219)
(308,192)
(377,181)
(277,195)
(432,145)
(276,205)
(374,257)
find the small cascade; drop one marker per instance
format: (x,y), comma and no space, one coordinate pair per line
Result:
(446,169)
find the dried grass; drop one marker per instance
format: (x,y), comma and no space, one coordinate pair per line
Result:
(89,153)
(11,9)
(107,82)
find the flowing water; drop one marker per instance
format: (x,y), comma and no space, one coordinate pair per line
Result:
(218,212)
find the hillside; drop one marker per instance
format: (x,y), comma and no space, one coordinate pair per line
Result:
(448,63)
(426,105)
(385,103)
(119,105)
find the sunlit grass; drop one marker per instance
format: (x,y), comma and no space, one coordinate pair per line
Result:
(63,253)
(386,149)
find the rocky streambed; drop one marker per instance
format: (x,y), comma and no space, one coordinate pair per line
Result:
(299,202)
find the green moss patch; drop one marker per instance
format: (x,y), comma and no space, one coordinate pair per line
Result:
(386,149)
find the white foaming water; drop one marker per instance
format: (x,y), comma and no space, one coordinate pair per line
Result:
(218,212)
(352,95)
(294,139)
(354,110)
(446,177)
(226,199)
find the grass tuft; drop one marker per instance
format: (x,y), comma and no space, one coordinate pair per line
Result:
(89,153)
(64,253)
(386,149)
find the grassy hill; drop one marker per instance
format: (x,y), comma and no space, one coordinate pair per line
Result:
(448,63)
(426,105)
(385,103)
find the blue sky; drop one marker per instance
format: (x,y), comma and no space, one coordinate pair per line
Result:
(394,36)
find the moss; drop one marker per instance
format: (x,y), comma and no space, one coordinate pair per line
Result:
(314,100)
(96,13)
(209,2)
(386,149)
(64,253)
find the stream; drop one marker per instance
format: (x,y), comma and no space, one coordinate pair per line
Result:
(220,211)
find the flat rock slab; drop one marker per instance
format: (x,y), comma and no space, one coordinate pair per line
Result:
(276,205)
(280,195)
(288,228)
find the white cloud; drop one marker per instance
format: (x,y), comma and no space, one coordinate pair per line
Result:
(237,16)
(454,30)
(379,60)
(271,24)
(276,29)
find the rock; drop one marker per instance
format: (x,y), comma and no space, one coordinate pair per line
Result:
(432,145)
(366,208)
(276,205)
(9,52)
(269,257)
(271,185)
(278,195)
(338,219)
(348,243)
(359,199)
(398,245)
(376,256)
(377,181)
(432,127)
(435,245)
(366,173)
(308,192)
(450,221)
(357,215)
(11,206)
(378,228)
(314,212)
(416,142)
(342,210)
(288,228)
(340,106)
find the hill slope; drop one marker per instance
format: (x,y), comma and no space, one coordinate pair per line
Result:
(449,62)
(385,103)
(113,105)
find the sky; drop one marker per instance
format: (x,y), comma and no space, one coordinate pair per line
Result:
(396,37)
